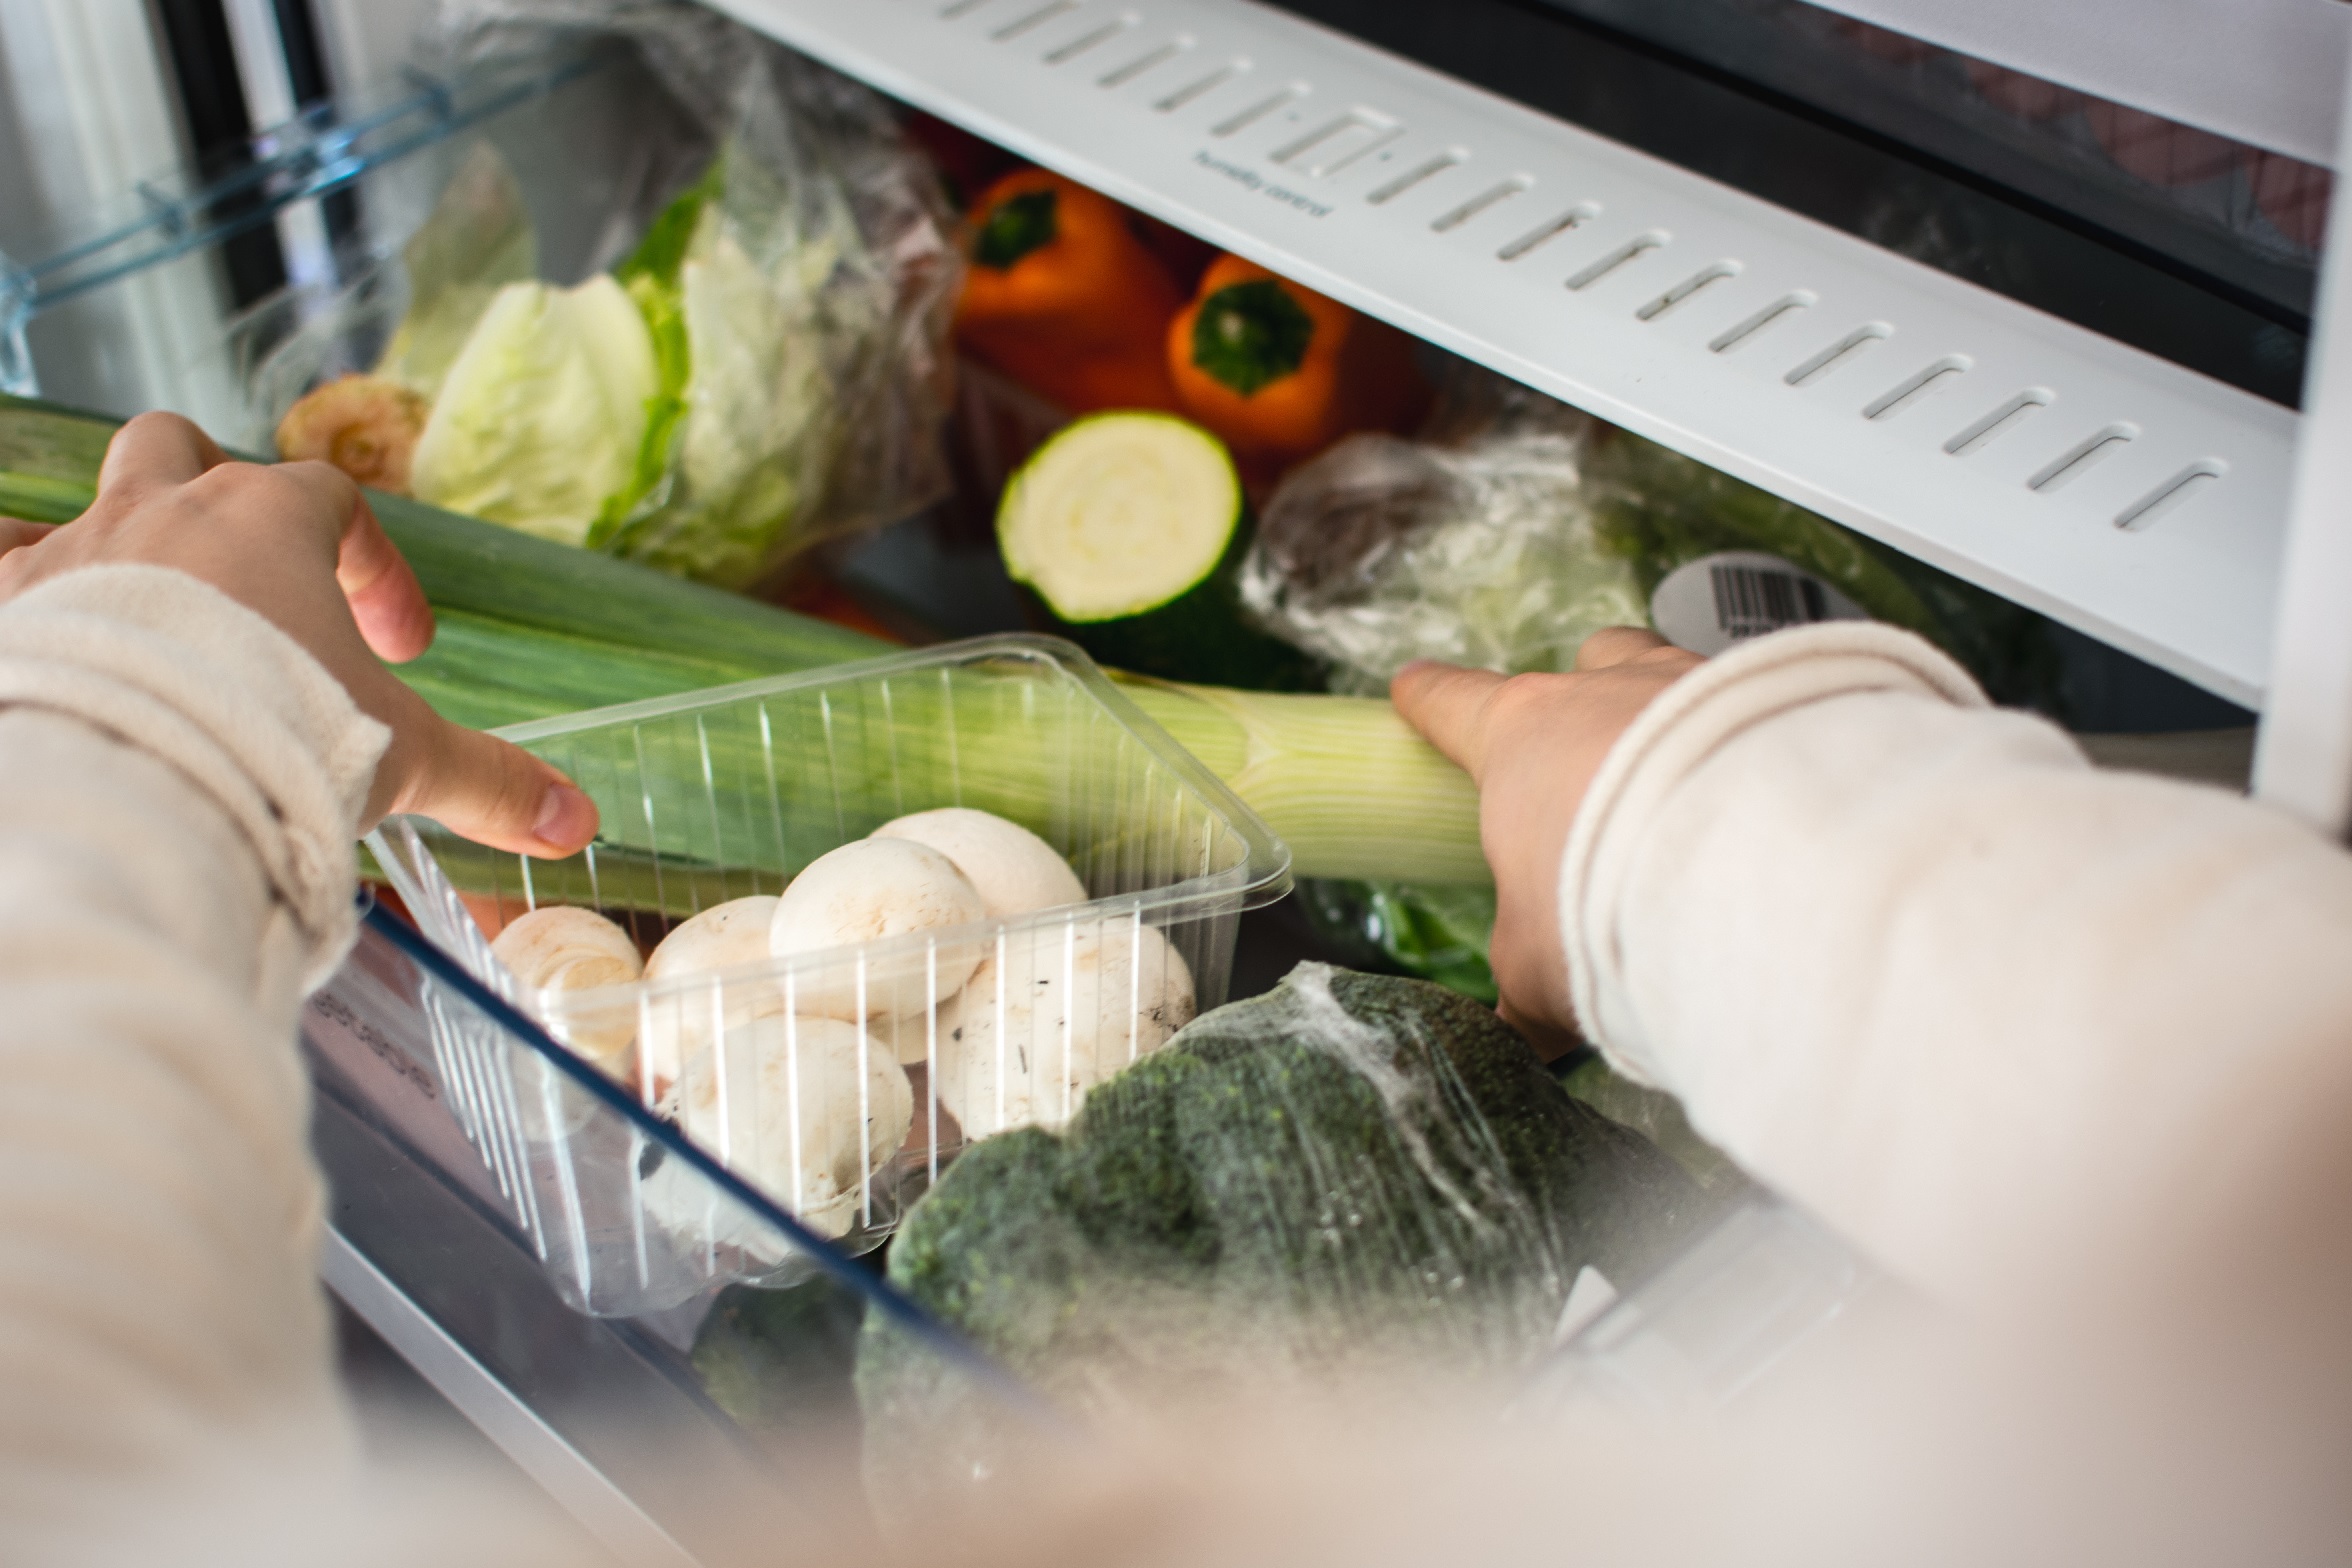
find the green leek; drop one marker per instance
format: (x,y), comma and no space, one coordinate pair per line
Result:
(531,629)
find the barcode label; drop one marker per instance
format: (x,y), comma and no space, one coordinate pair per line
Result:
(1750,601)
(1719,601)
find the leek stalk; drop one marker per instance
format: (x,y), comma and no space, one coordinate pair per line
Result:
(530,629)
(1345,783)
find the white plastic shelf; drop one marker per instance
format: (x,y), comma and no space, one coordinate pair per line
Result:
(2140,502)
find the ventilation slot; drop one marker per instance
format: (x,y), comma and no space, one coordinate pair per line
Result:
(1259,110)
(1919,386)
(1480,202)
(1838,353)
(2169,496)
(1208,84)
(1786,305)
(1035,19)
(1136,67)
(2000,421)
(2082,459)
(1451,158)
(1094,40)
(1340,143)
(1638,246)
(1705,277)
(1575,217)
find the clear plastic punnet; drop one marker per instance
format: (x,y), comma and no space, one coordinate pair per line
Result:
(841,1078)
(681,1429)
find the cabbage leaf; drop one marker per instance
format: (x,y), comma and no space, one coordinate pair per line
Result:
(542,416)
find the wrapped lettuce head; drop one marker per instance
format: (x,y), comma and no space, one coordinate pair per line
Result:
(477,240)
(798,294)
(1382,551)
(542,416)
(743,421)
(767,370)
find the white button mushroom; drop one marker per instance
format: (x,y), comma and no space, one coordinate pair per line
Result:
(1078,1003)
(789,1118)
(679,1024)
(872,890)
(559,949)
(1015,871)
(724,936)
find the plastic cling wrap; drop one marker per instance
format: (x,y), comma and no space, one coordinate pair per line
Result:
(1352,1171)
(752,358)
(1659,510)
(1383,551)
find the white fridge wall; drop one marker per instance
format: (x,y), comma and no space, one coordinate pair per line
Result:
(2135,500)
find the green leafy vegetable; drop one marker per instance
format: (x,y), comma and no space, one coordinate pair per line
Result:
(659,256)
(540,420)
(1438,932)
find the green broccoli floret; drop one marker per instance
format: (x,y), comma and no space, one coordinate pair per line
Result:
(1608,1196)
(1349,1165)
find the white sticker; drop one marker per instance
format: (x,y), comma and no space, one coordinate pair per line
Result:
(1709,604)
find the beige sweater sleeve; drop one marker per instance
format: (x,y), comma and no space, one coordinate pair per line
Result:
(179,789)
(1988,1011)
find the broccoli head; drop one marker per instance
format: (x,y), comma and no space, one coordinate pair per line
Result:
(1349,1165)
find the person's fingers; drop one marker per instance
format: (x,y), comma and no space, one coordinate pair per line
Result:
(1551,1042)
(489,790)
(386,599)
(1448,705)
(155,450)
(16,533)
(1616,645)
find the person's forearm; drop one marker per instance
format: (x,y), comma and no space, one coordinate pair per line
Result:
(1922,969)
(178,784)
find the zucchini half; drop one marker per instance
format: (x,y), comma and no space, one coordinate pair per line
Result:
(1127,529)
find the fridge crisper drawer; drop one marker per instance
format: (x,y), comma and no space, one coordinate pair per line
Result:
(470,1252)
(470,1257)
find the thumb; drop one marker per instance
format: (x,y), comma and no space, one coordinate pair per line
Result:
(1447,704)
(483,788)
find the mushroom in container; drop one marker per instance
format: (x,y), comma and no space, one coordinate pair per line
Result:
(807,1109)
(1072,1005)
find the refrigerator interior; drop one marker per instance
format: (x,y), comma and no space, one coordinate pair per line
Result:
(1875,281)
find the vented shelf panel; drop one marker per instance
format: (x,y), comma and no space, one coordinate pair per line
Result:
(2140,502)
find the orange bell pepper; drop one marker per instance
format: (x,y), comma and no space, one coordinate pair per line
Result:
(1280,372)
(1064,298)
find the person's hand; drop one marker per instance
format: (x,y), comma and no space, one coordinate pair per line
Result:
(1532,743)
(297,544)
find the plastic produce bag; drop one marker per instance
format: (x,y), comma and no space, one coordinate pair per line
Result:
(1661,511)
(1351,1173)
(755,359)
(1517,527)
(1382,551)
